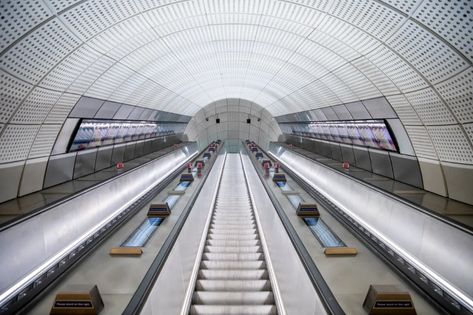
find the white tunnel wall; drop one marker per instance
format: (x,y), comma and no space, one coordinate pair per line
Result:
(287,56)
(233,127)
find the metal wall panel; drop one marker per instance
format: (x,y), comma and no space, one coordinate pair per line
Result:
(108,110)
(362,158)
(85,163)
(10,174)
(104,158)
(86,107)
(136,113)
(118,153)
(123,112)
(336,152)
(347,154)
(60,169)
(381,163)
(129,153)
(139,148)
(379,108)
(33,175)
(342,112)
(357,110)
(406,169)
(329,113)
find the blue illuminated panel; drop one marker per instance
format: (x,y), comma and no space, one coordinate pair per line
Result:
(323,233)
(142,234)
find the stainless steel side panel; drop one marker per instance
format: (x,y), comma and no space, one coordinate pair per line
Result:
(297,291)
(170,289)
(439,249)
(32,245)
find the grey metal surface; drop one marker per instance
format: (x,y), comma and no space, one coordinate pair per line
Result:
(33,175)
(296,290)
(86,107)
(104,158)
(60,169)
(85,163)
(381,163)
(232,278)
(46,237)
(108,110)
(171,286)
(441,250)
(406,169)
(12,172)
(379,108)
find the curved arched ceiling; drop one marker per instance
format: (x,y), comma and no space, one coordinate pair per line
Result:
(286,55)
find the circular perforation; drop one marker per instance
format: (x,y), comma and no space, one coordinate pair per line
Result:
(452,19)
(458,93)
(13,91)
(18,17)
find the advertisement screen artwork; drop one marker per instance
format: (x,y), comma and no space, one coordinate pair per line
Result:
(96,133)
(368,133)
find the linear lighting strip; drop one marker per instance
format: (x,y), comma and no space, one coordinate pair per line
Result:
(437,279)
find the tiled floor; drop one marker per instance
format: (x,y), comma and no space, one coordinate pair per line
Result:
(449,208)
(15,208)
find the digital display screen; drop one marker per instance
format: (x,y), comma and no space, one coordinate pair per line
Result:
(96,133)
(368,133)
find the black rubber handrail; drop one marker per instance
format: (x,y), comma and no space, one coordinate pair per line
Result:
(326,295)
(140,296)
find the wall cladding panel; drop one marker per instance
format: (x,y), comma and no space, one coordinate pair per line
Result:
(40,51)
(85,163)
(452,144)
(36,106)
(60,169)
(16,141)
(458,93)
(13,92)
(33,176)
(381,163)
(44,141)
(430,108)
(12,172)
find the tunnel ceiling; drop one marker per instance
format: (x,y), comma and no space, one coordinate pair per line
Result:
(286,56)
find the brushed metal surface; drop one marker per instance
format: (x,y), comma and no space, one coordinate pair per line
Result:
(434,246)
(41,240)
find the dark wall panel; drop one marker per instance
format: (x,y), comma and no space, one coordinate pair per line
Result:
(381,163)
(406,170)
(118,153)
(362,158)
(104,158)
(347,154)
(336,152)
(85,163)
(129,152)
(60,169)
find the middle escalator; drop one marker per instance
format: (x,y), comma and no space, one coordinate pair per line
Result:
(233,278)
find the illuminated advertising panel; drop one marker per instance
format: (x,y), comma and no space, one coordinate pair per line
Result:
(96,133)
(368,133)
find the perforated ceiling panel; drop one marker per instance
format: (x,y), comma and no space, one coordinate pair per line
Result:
(287,56)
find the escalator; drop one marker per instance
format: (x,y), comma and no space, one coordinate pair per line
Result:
(233,278)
